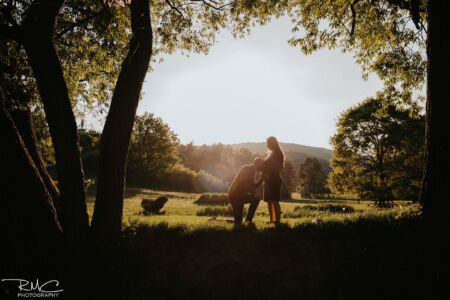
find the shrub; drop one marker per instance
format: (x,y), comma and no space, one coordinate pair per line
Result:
(327,208)
(314,210)
(300,212)
(226,211)
(181,179)
(210,183)
(178,178)
(212,199)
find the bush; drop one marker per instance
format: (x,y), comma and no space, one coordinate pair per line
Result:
(314,210)
(183,179)
(342,209)
(177,179)
(226,211)
(213,199)
(180,179)
(210,183)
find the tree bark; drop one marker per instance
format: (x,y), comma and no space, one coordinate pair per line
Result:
(23,120)
(115,140)
(37,39)
(435,193)
(30,231)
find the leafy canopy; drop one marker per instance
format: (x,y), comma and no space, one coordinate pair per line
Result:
(311,178)
(154,149)
(378,151)
(92,39)
(386,37)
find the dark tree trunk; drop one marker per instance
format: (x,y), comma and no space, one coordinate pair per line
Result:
(23,120)
(30,232)
(107,219)
(37,39)
(435,194)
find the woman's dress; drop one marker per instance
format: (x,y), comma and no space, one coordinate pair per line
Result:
(272,183)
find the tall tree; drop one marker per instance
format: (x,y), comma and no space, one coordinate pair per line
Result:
(388,37)
(23,121)
(435,192)
(311,178)
(35,33)
(177,30)
(154,151)
(107,218)
(33,25)
(374,151)
(31,233)
(288,176)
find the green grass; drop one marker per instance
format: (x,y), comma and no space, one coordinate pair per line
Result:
(180,210)
(317,253)
(223,211)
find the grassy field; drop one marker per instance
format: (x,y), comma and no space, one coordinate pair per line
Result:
(181,211)
(367,253)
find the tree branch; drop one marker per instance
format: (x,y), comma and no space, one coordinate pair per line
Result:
(41,14)
(7,12)
(352,8)
(175,8)
(415,13)
(79,23)
(214,4)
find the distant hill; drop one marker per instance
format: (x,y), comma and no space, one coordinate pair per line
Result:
(296,153)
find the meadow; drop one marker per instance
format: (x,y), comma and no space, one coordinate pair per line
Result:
(181,211)
(320,251)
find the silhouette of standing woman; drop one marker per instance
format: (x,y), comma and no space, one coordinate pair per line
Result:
(273,164)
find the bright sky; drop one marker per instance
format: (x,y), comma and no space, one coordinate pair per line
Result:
(246,90)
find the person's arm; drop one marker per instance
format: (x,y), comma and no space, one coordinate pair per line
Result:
(268,162)
(263,175)
(260,180)
(248,181)
(234,185)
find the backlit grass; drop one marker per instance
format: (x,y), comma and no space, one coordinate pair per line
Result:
(318,252)
(180,210)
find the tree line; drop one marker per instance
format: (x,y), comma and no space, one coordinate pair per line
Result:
(377,154)
(157,159)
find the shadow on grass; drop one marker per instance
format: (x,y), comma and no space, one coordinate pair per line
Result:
(368,259)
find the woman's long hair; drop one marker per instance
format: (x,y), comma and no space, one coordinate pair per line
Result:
(276,148)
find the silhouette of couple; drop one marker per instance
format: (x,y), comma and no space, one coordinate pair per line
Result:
(243,188)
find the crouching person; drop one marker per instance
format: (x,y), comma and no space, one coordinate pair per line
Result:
(242,190)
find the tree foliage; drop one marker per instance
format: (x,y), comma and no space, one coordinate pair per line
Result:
(218,160)
(386,37)
(85,55)
(92,40)
(311,178)
(87,35)
(288,179)
(378,151)
(90,151)
(154,150)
